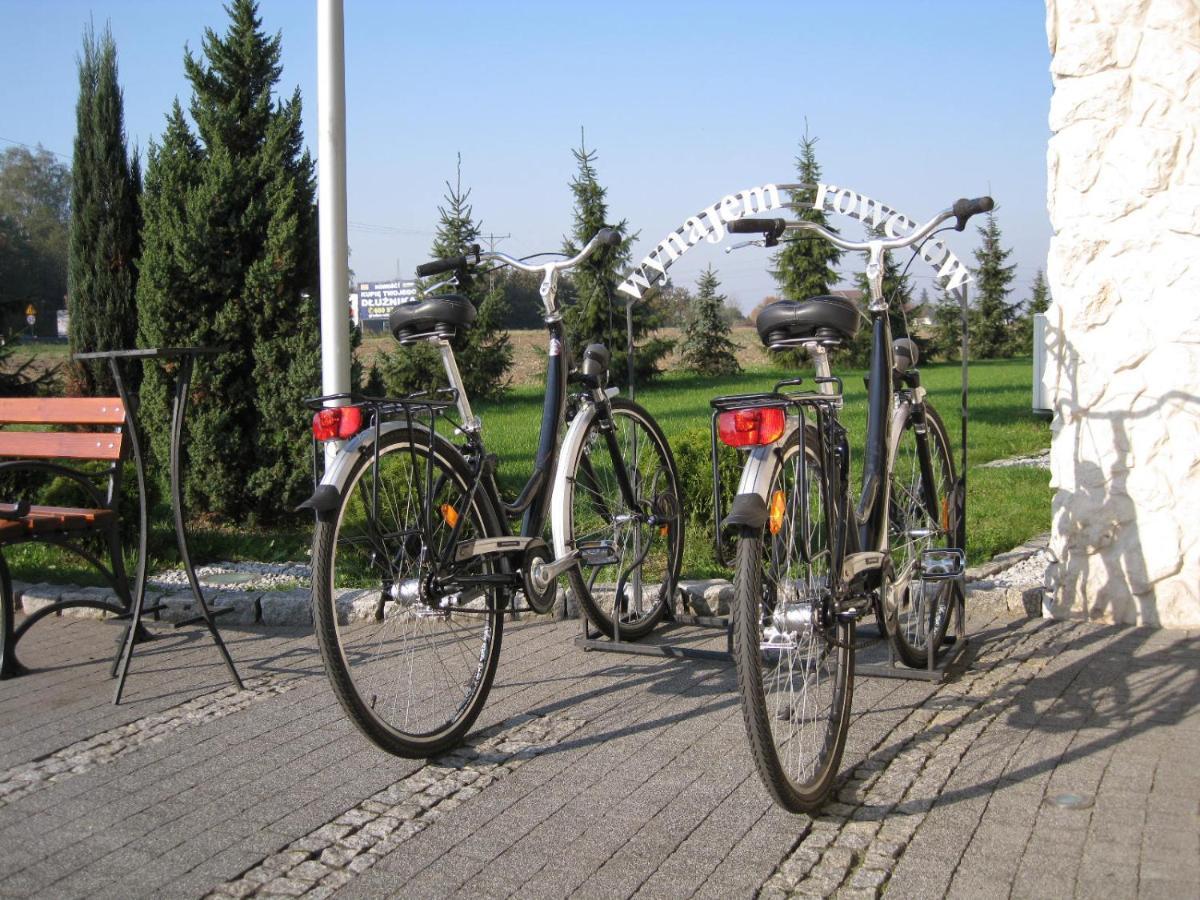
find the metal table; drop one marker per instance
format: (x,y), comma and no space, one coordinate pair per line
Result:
(186,357)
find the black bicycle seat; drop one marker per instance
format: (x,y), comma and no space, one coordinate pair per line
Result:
(819,318)
(446,313)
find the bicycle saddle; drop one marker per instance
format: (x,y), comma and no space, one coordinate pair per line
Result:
(819,318)
(444,314)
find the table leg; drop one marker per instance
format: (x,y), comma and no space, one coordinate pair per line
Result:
(179,405)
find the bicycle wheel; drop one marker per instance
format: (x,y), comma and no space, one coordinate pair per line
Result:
(630,558)
(795,662)
(411,665)
(916,612)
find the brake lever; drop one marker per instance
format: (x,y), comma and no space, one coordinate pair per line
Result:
(433,289)
(742,244)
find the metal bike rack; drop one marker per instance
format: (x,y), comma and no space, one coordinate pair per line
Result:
(935,670)
(594,639)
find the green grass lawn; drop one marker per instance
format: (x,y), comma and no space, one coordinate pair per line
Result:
(1004,508)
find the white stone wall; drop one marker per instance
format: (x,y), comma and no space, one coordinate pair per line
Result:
(1124,271)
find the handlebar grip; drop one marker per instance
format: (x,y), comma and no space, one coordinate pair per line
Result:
(757,226)
(441,265)
(963,209)
(608,237)
(450,263)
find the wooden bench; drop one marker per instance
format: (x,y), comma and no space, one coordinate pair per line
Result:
(97,435)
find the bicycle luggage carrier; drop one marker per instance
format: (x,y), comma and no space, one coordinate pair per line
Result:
(821,403)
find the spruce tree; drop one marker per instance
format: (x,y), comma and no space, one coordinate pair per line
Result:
(483,351)
(707,348)
(230,260)
(947,327)
(104,242)
(1038,302)
(992,334)
(807,268)
(594,313)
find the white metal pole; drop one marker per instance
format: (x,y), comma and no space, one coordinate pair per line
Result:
(331,195)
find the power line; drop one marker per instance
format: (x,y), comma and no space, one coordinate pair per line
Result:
(34,149)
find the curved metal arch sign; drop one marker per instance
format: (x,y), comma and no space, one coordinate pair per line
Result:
(709,225)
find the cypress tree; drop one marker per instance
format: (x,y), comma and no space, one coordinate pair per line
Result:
(992,321)
(104,238)
(230,260)
(594,314)
(483,351)
(707,348)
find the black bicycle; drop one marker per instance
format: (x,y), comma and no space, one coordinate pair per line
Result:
(417,558)
(810,562)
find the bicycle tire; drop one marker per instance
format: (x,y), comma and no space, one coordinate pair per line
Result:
(775,654)
(368,632)
(594,501)
(912,617)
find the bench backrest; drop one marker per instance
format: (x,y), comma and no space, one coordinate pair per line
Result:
(103,445)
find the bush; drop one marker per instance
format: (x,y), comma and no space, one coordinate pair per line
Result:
(693,458)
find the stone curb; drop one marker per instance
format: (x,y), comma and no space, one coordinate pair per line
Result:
(293,608)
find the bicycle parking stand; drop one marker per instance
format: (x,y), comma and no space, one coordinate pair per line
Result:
(934,671)
(594,639)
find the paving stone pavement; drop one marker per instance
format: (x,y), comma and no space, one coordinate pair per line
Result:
(598,775)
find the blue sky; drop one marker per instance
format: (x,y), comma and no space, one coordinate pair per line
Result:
(915,104)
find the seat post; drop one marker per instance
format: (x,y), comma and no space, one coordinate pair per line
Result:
(820,360)
(469,421)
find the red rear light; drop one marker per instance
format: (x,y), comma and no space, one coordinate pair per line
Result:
(751,427)
(337,423)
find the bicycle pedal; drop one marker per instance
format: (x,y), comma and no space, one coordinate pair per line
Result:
(941,565)
(598,553)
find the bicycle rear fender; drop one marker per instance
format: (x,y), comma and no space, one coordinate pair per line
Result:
(326,497)
(749,507)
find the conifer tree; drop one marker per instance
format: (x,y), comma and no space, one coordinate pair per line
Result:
(807,268)
(947,327)
(230,260)
(104,238)
(1038,302)
(992,320)
(707,348)
(594,312)
(483,351)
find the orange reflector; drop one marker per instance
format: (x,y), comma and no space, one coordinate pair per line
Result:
(751,427)
(946,514)
(450,514)
(777,504)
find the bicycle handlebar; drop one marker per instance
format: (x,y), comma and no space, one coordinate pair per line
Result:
(605,237)
(962,211)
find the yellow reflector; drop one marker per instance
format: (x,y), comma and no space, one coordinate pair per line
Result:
(777,504)
(449,514)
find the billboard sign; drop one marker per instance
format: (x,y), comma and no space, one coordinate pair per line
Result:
(376,298)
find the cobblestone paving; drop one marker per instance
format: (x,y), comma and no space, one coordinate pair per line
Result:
(83,756)
(330,856)
(853,847)
(637,781)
